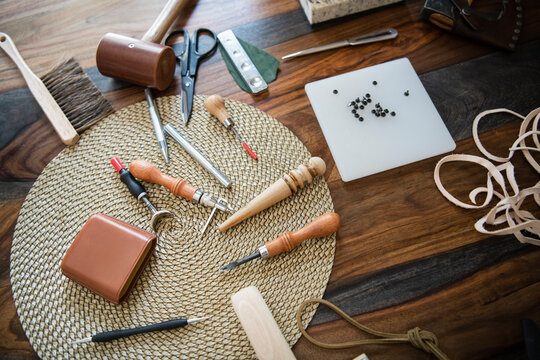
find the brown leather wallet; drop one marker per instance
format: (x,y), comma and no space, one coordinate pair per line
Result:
(108,256)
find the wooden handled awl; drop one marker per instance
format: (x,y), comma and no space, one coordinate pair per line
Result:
(147,172)
(278,191)
(216,106)
(324,225)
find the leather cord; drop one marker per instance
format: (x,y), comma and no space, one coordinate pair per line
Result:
(506,217)
(421,339)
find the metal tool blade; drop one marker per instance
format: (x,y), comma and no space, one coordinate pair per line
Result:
(240,262)
(187,97)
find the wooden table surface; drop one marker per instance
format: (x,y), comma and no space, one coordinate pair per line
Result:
(405,256)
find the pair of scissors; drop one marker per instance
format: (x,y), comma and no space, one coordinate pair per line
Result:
(188,54)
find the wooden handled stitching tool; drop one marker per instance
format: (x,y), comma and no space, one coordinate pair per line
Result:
(137,190)
(323,225)
(216,106)
(147,172)
(67,96)
(118,334)
(143,62)
(278,191)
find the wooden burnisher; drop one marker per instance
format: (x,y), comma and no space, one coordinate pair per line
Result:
(260,326)
(278,191)
(142,62)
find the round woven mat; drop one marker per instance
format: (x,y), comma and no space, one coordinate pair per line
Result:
(182,279)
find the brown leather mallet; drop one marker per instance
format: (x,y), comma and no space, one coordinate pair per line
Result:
(142,62)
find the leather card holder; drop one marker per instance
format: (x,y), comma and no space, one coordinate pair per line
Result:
(108,256)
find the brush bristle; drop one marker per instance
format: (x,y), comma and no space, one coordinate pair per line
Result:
(78,97)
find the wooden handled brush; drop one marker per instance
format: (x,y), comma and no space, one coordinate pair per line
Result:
(81,103)
(278,191)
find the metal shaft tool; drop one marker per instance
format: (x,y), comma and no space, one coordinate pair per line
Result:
(216,106)
(322,226)
(137,190)
(195,154)
(385,34)
(118,334)
(147,172)
(158,126)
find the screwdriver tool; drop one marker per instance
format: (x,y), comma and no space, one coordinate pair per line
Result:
(118,334)
(137,190)
(216,106)
(147,172)
(323,225)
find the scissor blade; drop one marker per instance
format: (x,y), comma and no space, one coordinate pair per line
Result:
(187,97)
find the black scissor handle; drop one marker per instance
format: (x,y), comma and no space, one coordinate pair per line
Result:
(200,49)
(181,49)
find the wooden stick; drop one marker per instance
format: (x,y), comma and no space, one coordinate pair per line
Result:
(278,191)
(260,326)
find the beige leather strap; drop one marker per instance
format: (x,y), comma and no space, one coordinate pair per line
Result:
(506,217)
(421,339)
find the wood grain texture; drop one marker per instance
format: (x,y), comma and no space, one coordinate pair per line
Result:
(405,256)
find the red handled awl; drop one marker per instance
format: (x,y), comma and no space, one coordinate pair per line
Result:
(147,172)
(322,226)
(216,106)
(137,190)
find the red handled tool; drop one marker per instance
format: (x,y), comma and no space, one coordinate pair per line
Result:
(216,106)
(137,190)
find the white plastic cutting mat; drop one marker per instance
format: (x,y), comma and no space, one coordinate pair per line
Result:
(362,148)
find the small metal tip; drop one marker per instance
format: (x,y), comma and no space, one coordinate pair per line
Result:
(88,339)
(165,151)
(197,320)
(290,56)
(229,267)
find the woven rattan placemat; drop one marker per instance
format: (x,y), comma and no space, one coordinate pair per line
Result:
(182,279)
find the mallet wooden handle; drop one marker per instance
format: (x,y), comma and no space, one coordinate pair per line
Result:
(321,226)
(164,20)
(216,106)
(147,172)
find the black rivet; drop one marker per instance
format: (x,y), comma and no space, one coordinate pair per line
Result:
(368,95)
(393,113)
(351,103)
(406,93)
(355,107)
(386,111)
(383,114)
(361,118)
(374,83)
(335,91)
(357,100)
(353,111)
(368,100)
(362,107)
(373,111)
(356,116)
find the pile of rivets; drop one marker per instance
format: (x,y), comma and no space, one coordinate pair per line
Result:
(360,104)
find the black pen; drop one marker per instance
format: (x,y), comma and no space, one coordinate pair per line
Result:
(117,334)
